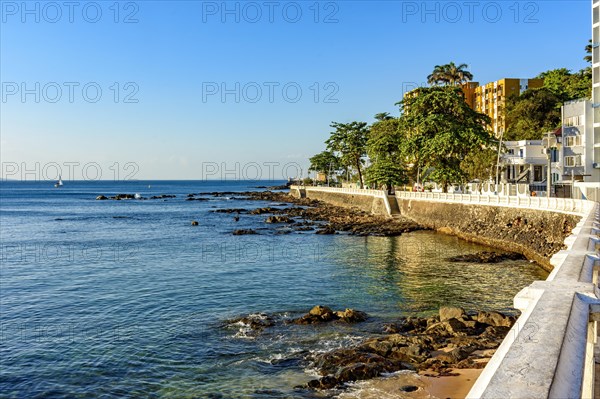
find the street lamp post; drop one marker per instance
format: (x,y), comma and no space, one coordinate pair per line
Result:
(549,143)
(498,160)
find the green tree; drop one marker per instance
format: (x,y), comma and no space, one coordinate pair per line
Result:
(588,52)
(566,85)
(532,113)
(386,172)
(349,140)
(384,148)
(450,74)
(441,130)
(480,164)
(324,162)
(383,116)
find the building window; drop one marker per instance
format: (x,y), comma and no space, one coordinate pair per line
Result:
(572,141)
(573,161)
(574,121)
(537,173)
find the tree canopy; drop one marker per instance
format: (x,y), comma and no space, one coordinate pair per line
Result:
(450,74)
(325,162)
(441,130)
(349,140)
(532,113)
(384,148)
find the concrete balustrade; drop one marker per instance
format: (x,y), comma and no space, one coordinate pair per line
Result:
(564,205)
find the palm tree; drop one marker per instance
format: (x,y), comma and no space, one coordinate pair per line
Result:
(438,76)
(383,116)
(588,50)
(450,74)
(457,75)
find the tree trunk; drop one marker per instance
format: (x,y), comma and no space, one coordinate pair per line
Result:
(360,178)
(445,187)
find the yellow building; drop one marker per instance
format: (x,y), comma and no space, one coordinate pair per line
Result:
(490,99)
(469,89)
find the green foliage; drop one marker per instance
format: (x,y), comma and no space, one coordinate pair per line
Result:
(450,74)
(385,139)
(441,130)
(384,148)
(383,116)
(532,113)
(480,164)
(386,172)
(568,86)
(588,52)
(325,162)
(349,140)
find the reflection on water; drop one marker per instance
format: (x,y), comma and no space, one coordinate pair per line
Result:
(412,272)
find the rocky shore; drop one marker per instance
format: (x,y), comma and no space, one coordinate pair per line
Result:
(433,346)
(320,217)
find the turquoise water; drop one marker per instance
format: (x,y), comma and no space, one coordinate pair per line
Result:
(121,299)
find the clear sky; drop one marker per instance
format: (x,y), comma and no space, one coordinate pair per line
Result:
(191,88)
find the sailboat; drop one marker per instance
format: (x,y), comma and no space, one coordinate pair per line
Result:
(59,182)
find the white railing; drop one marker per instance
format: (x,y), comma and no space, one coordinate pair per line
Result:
(563,205)
(358,191)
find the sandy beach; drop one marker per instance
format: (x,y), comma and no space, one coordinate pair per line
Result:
(454,387)
(410,385)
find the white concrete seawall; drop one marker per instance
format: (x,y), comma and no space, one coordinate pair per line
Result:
(549,352)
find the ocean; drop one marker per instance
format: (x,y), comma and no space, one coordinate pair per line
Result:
(126,299)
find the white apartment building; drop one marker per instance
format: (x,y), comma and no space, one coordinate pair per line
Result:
(524,162)
(595,178)
(578,146)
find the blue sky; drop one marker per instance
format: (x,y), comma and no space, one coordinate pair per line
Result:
(170,61)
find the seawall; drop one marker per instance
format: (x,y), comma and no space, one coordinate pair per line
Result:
(365,200)
(535,233)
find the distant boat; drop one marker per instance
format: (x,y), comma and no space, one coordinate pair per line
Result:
(59,182)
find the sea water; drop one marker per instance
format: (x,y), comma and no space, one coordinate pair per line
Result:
(118,299)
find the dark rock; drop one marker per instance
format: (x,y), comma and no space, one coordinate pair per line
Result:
(486,257)
(447,312)
(322,314)
(351,316)
(261,211)
(495,319)
(326,230)
(242,232)
(101,198)
(195,223)
(234,210)
(409,388)
(278,219)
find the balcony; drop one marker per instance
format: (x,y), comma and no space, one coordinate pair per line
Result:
(508,159)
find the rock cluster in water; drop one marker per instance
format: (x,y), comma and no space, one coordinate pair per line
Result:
(320,217)
(453,339)
(322,314)
(119,197)
(486,257)
(433,346)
